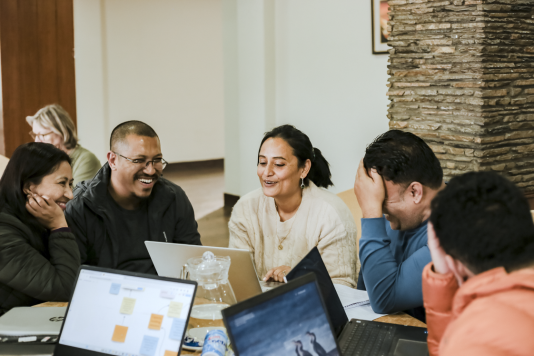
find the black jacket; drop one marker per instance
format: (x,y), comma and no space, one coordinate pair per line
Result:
(91,217)
(34,267)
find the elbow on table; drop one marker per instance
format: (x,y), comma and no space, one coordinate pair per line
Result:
(382,306)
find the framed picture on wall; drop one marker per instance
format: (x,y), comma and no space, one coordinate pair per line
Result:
(380,26)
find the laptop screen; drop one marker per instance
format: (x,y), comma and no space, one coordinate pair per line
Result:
(289,323)
(127,315)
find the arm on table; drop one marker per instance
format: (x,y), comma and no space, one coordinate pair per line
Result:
(392,287)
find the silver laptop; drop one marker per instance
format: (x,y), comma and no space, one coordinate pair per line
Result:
(30,331)
(29,322)
(169,258)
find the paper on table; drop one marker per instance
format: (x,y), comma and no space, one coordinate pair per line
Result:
(356,303)
(350,296)
(363,312)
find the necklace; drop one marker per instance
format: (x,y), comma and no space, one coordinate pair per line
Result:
(281,241)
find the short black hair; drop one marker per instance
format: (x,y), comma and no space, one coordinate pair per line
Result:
(483,220)
(29,164)
(302,147)
(404,158)
(132,127)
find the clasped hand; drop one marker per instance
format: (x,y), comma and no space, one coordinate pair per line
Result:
(46,211)
(370,192)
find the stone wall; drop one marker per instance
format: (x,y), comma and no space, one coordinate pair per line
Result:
(462,78)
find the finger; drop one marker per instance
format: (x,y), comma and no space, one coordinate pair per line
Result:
(30,208)
(276,274)
(39,200)
(281,274)
(48,200)
(33,202)
(268,274)
(431,234)
(375,176)
(361,170)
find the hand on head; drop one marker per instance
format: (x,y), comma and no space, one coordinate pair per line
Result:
(436,251)
(46,211)
(370,192)
(277,274)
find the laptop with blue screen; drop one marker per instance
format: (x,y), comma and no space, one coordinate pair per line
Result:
(292,319)
(123,313)
(283,321)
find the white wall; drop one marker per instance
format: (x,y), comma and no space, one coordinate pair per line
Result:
(158,61)
(304,62)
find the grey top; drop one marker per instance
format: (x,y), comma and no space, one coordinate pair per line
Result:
(84,164)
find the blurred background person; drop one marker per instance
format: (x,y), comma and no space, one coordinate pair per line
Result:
(291,214)
(52,124)
(39,257)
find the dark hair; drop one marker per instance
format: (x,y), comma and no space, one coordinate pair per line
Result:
(132,127)
(302,149)
(29,164)
(403,158)
(483,220)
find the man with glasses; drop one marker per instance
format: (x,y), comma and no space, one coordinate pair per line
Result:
(128,202)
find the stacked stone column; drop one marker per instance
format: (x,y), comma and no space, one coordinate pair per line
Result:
(462,78)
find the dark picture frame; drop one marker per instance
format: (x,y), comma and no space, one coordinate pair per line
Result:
(379,18)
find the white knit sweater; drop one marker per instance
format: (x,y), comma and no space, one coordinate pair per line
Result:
(322,220)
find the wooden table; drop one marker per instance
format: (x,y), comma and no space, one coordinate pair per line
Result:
(398,318)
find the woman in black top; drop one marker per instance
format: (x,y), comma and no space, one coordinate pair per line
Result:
(39,257)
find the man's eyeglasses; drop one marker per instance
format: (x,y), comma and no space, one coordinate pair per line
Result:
(40,136)
(159,164)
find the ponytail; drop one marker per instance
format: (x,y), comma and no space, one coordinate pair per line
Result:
(319,172)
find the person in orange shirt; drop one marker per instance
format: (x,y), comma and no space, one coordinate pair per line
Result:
(478,290)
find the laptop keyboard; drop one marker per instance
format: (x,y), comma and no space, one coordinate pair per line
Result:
(362,339)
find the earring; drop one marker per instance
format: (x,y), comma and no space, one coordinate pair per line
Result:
(302,183)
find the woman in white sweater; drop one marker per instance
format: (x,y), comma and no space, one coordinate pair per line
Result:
(291,213)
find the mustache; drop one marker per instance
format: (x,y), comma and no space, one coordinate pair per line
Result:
(144,176)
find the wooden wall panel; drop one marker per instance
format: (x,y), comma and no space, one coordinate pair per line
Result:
(37,63)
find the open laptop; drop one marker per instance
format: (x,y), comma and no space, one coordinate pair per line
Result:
(355,334)
(169,259)
(123,313)
(281,322)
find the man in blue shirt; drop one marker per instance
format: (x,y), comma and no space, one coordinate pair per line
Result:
(396,181)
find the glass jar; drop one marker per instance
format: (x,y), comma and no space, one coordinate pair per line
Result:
(214,293)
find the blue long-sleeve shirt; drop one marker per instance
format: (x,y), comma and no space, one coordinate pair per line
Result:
(392,263)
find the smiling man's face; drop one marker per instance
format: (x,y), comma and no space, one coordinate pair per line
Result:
(399,208)
(136,179)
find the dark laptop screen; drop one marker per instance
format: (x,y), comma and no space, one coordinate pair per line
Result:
(290,322)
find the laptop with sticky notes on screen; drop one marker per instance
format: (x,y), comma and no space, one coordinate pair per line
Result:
(124,313)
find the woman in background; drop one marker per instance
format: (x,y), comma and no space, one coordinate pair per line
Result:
(39,257)
(291,213)
(52,124)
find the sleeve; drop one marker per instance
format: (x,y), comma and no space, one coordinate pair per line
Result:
(392,286)
(86,168)
(438,293)
(24,269)
(237,226)
(338,250)
(186,230)
(76,221)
